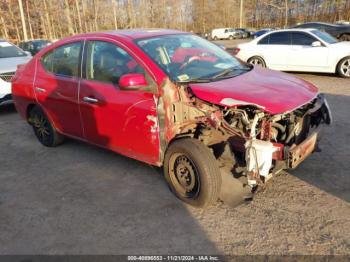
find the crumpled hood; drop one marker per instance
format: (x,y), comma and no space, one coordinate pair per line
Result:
(274,92)
(10,64)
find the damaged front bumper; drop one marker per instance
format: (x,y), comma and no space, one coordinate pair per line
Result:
(266,158)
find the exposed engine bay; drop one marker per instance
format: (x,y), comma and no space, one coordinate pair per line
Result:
(250,144)
(272,140)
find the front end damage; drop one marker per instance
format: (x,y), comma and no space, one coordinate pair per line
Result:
(250,144)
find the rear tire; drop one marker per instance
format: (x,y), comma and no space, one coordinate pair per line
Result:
(257,60)
(343,67)
(192,172)
(43,129)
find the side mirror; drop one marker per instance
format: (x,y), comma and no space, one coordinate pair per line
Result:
(132,81)
(316,44)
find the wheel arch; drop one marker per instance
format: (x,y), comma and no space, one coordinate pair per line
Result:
(175,139)
(33,105)
(29,109)
(258,56)
(339,61)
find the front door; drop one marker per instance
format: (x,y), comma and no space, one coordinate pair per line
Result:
(56,87)
(124,121)
(304,57)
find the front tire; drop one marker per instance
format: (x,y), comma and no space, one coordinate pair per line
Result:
(257,60)
(192,172)
(343,67)
(43,129)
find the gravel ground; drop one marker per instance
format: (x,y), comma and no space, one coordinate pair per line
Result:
(304,211)
(79,199)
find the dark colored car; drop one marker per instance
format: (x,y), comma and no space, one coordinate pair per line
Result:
(34,46)
(341,31)
(261,32)
(245,33)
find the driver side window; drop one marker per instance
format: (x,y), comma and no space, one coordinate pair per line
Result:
(107,62)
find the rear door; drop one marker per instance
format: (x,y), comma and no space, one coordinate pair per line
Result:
(274,49)
(56,87)
(302,56)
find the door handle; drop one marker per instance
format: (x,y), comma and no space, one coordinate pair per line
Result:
(40,90)
(90,100)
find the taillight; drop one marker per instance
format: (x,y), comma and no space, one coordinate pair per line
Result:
(235,51)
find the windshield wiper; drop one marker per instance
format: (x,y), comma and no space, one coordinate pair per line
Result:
(229,70)
(195,80)
(221,74)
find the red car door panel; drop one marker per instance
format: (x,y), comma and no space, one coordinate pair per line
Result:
(120,120)
(58,95)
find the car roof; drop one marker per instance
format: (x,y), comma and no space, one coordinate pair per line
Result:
(35,40)
(322,23)
(294,29)
(134,34)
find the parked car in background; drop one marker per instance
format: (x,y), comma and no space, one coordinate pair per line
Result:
(262,31)
(339,31)
(343,22)
(173,99)
(34,46)
(10,57)
(225,33)
(304,50)
(244,32)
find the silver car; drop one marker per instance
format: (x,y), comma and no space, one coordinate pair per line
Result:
(10,57)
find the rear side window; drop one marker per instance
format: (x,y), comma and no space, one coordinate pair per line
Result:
(281,38)
(264,41)
(63,60)
(299,38)
(107,62)
(47,61)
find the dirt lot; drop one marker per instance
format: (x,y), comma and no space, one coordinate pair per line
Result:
(79,199)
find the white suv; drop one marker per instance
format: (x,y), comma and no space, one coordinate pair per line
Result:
(10,57)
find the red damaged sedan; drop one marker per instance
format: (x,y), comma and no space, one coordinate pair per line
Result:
(219,127)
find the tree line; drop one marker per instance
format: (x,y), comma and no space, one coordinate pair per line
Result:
(54,19)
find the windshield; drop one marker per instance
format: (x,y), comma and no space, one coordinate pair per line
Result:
(40,44)
(189,58)
(325,37)
(9,50)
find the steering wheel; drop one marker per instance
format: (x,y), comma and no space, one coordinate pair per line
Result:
(200,57)
(190,61)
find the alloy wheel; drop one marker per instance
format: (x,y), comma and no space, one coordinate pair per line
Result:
(256,61)
(345,67)
(42,127)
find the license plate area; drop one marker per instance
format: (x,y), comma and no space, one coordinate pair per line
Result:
(298,153)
